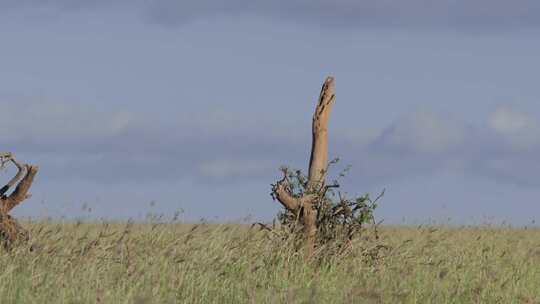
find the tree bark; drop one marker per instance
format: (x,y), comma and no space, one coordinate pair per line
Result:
(319,147)
(10,230)
(304,206)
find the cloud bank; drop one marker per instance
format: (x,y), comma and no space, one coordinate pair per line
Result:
(460,14)
(80,142)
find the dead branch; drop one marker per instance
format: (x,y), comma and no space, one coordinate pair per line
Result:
(15,179)
(319,148)
(304,206)
(10,230)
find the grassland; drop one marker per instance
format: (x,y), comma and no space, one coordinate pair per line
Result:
(175,263)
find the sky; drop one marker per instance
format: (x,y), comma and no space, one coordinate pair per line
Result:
(138,107)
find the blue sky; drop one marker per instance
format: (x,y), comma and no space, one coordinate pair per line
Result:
(195,106)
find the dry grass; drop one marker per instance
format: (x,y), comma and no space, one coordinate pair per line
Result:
(174,263)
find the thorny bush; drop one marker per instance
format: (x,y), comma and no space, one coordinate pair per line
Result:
(340,219)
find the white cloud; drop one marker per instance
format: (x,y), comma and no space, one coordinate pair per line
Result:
(40,121)
(423,132)
(75,140)
(508,121)
(518,128)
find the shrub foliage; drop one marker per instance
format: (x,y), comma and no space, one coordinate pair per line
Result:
(339,218)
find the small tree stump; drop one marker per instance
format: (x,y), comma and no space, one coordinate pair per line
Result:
(10,230)
(304,207)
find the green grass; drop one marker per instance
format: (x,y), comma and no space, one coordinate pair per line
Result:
(174,263)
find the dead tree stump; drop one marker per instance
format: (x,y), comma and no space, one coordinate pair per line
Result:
(304,207)
(10,230)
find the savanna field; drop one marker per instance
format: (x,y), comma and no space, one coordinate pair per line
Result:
(67,262)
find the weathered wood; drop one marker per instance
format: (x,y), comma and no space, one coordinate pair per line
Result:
(304,206)
(319,148)
(10,230)
(21,191)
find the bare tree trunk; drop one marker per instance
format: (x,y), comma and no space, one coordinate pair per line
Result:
(10,230)
(304,207)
